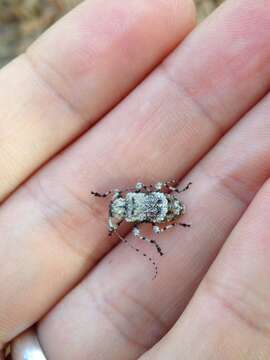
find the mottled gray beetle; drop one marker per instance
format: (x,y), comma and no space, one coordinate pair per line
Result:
(145,204)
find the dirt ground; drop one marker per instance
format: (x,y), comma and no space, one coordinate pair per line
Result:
(21,21)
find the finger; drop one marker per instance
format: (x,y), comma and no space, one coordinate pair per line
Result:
(119,298)
(154,27)
(76,72)
(229,316)
(53,206)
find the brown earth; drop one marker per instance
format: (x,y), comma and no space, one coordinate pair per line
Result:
(21,21)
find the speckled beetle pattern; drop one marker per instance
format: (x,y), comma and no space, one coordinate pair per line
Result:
(153,204)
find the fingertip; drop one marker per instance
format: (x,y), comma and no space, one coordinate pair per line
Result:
(182,16)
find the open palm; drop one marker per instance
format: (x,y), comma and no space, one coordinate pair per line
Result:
(111,95)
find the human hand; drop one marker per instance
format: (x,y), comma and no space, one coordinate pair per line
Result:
(203,113)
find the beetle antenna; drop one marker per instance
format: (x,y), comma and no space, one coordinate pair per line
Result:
(125,241)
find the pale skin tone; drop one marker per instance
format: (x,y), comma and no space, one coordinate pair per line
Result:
(201,115)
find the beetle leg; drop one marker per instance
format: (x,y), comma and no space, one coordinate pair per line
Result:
(160,185)
(136,232)
(139,187)
(178,190)
(101,195)
(113,227)
(116,193)
(184,225)
(158,230)
(124,240)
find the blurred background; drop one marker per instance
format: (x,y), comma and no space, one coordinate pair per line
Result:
(21,21)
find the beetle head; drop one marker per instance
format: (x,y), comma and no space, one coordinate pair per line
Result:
(176,208)
(118,208)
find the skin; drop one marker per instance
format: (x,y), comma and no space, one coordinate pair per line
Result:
(202,114)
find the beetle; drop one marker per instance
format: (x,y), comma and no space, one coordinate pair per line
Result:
(153,204)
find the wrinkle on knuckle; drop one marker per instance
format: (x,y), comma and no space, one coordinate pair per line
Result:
(229,183)
(245,304)
(199,107)
(120,311)
(44,71)
(66,214)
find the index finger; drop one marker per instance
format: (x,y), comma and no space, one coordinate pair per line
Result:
(76,72)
